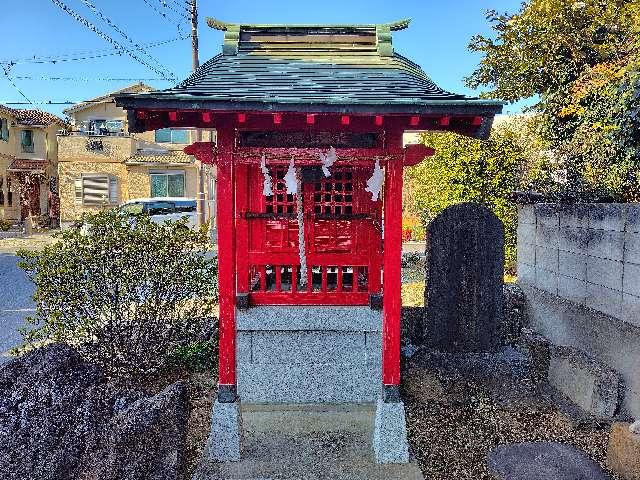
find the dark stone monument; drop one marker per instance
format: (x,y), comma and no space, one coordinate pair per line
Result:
(463,295)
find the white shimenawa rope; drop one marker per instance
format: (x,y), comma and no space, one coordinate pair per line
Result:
(267,184)
(301,246)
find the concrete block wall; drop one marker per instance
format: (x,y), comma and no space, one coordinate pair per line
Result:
(586,253)
(580,268)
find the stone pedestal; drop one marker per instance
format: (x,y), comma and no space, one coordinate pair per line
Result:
(225,437)
(390,442)
(623,452)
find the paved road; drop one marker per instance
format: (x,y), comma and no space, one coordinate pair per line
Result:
(15,302)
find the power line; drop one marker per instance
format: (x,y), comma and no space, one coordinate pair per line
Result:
(6,74)
(165,5)
(105,19)
(104,36)
(83,54)
(164,15)
(88,79)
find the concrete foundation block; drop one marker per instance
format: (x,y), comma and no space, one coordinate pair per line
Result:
(607,216)
(632,279)
(225,438)
(390,443)
(607,273)
(588,383)
(623,452)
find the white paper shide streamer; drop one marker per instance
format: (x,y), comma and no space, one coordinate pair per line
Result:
(290,179)
(374,184)
(327,160)
(301,246)
(267,189)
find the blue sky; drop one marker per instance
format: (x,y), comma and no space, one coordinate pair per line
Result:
(437,39)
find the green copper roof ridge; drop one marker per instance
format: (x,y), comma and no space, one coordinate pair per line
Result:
(224,26)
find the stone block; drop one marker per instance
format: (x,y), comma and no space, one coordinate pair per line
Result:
(633,217)
(547,236)
(607,216)
(286,318)
(243,347)
(390,443)
(587,382)
(572,239)
(309,383)
(526,274)
(623,452)
(631,284)
(547,258)
(631,309)
(547,280)
(606,244)
(526,253)
(547,214)
(527,232)
(574,215)
(373,348)
(225,438)
(607,273)
(308,347)
(604,300)
(526,215)
(573,265)
(572,289)
(632,247)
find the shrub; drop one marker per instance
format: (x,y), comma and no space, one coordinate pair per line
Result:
(123,290)
(5,225)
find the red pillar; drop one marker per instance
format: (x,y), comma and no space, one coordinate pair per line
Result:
(225,200)
(392,302)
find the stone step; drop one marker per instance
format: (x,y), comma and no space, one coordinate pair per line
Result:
(310,442)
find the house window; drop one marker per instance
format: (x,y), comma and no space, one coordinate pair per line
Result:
(168,135)
(167,184)
(96,189)
(1,190)
(4,129)
(9,192)
(26,140)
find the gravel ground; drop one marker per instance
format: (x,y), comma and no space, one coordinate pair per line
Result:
(457,422)
(36,241)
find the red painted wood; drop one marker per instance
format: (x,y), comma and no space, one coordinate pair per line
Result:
(226,258)
(141,114)
(277,118)
(242,118)
(311,119)
(242,228)
(414,121)
(278,271)
(414,154)
(339,281)
(263,278)
(379,120)
(306,298)
(173,116)
(323,285)
(345,120)
(206,117)
(205,152)
(444,121)
(294,279)
(477,121)
(392,273)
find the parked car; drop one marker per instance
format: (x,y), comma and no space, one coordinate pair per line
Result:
(162,209)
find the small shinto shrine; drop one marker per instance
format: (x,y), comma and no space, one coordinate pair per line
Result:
(310,156)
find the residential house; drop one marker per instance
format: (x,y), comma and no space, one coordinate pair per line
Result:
(29,165)
(102,165)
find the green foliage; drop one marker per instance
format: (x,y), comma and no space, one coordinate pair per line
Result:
(581,59)
(198,356)
(469,170)
(5,225)
(123,290)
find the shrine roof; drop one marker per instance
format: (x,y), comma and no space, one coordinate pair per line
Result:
(323,68)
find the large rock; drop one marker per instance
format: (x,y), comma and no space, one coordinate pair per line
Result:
(464,297)
(61,419)
(542,461)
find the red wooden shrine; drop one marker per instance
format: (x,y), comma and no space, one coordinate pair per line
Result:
(353,244)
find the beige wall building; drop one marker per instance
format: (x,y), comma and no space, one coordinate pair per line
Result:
(102,165)
(29,164)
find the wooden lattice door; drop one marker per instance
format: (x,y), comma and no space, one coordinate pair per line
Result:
(342,235)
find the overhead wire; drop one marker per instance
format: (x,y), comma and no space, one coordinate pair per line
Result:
(106,37)
(6,74)
(108,21)
(168,18)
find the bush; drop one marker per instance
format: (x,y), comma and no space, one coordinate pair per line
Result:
(5,225)
(123,290)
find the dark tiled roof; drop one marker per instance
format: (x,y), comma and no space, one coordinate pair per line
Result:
(170,158)
(330,68)
(28,165)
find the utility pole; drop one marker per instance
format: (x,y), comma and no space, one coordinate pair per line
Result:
(201,201)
